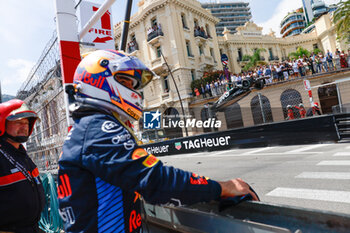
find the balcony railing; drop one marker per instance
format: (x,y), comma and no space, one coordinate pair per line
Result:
(154,34)
(200,33)
(273,58)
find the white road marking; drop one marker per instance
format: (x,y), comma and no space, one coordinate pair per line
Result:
(325,175)
(257,150)
(348,147)
(305,148)
(342,154)
(334,163)
(222,152)
(312,194)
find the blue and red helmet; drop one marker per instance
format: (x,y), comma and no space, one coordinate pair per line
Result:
(113,77)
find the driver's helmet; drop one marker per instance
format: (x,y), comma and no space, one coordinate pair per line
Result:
(301,105)
(315,105)
(289,106)
(13,110)
(112,78)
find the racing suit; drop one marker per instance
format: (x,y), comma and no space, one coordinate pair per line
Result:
(103,172)
(21,199)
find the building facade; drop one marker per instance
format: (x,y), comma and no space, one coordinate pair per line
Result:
(181,33)
(231,15)
(319,8)
(169,28)
(293,24)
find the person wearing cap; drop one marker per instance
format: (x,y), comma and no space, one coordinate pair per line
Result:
(301,109)
(315,109)
(21,192)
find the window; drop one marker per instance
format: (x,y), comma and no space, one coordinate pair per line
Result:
(200,47)
(240,54)
(183,20)
(193,75)
(195,23)
(154,22)
(166,84)
(315,46)
(270,53)
(212,54)
(132,37)
(159,51)
(188,47)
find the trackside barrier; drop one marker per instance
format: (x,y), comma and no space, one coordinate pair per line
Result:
(301,131)
(246,217)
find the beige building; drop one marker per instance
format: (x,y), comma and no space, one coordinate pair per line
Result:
(250,37)
(185,33)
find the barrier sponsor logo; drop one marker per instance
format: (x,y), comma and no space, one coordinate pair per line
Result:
(157,149)
(178,145)
(206,142)
(151,120)
(150,161)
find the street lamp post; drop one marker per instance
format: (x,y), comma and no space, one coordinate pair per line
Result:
(177,90)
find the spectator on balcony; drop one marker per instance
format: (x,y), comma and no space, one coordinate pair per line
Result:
(267,74)
(343,60)
(301,68)
(274,73)
(310,65)
(318,64)
(329,58)
(295,69)
(324,63)
(216,85)
(207,89)
(149,31)
(203,91)
(239,79)
(279,71)
(285,70)
(196,92)
(337,59)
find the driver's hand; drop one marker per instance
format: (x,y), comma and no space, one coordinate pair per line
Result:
(235,187)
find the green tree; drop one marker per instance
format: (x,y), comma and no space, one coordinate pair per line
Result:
(341,20)
(300,52)
(253,60)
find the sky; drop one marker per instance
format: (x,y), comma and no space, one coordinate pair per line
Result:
(27,26)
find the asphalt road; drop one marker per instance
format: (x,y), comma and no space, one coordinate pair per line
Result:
(310,176)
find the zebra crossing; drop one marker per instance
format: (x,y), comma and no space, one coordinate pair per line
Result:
(309,176)
(340,159)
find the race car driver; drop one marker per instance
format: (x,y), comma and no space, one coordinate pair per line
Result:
(102,171)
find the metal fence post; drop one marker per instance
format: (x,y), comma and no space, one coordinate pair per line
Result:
(262,108)
(339,98)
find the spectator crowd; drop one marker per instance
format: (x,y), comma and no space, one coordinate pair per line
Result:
(279,71)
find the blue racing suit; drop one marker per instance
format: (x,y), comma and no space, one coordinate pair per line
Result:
(103,172)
